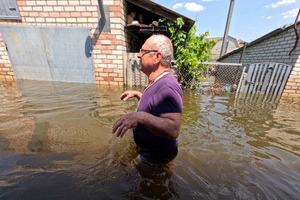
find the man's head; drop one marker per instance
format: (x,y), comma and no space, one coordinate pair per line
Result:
(156,51)
(163,45)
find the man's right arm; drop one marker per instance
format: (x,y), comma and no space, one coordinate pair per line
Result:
(130,94)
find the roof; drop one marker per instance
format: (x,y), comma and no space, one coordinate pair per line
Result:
(163,11)
(216,39)
(259,40)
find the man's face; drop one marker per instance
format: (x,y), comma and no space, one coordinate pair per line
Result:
(146,57)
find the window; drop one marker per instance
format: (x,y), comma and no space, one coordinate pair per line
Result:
(9,9)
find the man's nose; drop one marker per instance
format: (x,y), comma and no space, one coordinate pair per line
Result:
(139,55)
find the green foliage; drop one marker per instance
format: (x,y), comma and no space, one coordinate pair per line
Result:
(189,49)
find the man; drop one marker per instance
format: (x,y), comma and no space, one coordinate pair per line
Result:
(156,123)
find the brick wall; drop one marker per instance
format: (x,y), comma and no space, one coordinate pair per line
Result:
(108,47)
(6,71)
(276,49)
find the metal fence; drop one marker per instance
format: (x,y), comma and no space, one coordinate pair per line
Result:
(136,77)
(218,77)
(221,77)
(225,77)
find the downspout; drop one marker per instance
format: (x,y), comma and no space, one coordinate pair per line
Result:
(296,32)
(101,8)
(243,52)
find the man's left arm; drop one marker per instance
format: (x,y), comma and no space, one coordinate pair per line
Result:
(166,125)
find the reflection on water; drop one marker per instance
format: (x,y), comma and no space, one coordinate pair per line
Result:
(56,143)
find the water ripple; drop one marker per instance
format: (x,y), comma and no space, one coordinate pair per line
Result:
(57,137)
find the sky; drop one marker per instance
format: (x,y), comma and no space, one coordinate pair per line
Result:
(251,19)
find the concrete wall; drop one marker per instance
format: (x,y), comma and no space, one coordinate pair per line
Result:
(108,47)
(275,49)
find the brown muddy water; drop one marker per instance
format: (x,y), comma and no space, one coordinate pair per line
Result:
(56,143)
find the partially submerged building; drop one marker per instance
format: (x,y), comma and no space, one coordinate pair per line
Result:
(86,41)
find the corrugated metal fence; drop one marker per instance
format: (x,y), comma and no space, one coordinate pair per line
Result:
(50,53)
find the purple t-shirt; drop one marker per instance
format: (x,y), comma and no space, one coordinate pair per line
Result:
(163,96)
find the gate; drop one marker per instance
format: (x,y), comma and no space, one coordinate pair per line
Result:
(50,53)
(265,80)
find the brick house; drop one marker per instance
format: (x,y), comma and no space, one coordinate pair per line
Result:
(273,47)
(112,38)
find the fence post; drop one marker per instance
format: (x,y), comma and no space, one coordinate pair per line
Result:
(130,72)
(240,83)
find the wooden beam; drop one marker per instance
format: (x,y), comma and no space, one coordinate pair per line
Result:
(154,8)
(220,63)
(146,28)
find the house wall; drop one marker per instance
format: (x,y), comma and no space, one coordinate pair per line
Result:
(6,71)
(216,50)
(275,49)
(108,47)
(133,41)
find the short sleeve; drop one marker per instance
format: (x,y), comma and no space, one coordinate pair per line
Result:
(167,100)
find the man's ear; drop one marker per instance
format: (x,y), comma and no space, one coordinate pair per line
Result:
(157,58)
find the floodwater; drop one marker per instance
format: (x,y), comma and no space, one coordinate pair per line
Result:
(56,143)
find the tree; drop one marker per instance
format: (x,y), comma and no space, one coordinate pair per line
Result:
(189,49)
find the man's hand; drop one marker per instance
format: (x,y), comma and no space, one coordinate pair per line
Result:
(130,94)
(126,122)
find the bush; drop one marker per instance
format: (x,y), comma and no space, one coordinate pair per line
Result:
(189,49)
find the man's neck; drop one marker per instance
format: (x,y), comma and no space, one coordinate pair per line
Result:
(157,75)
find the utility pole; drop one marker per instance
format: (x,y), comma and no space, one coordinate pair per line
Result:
(225,38)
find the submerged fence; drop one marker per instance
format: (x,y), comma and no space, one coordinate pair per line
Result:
(222,77)
(266,81)
(216,76)
(259,78)
(135,76)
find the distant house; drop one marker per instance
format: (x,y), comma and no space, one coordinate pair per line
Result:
(70,40)
(273,47)
(232,44)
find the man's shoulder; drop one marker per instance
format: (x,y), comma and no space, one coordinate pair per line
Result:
(168,87)
(166,84)
(168,97)
(169,81)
